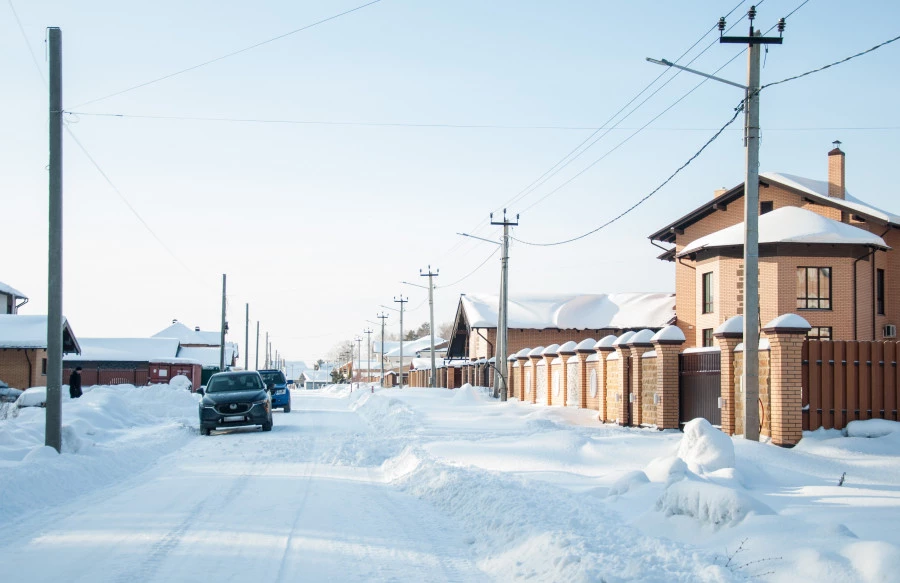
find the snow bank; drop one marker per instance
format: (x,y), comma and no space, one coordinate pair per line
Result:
(628,482)
(871,428)
(108,434)
(704,448)
(384,413)
(467,394)
(666,469)
(709,503)
(181,381)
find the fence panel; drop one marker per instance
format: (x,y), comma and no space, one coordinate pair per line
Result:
(846,381)
(699,386)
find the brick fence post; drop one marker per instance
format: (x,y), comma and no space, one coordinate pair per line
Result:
(728,335)
(786,336)
(566,352)
(550,354)
(522,357)
(535,357)
(624,388)
(603,347)
(639,344)
(667,343)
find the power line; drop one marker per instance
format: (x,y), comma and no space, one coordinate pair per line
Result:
(231,54)
(27,44)
(471,273)
(737,111)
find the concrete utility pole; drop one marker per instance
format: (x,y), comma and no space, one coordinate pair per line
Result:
(431,275)
(368,333)
(382,316)
(53,414)
(750,374)
(500,376)
(256,364)
(246,336)
(266,365)
(358,340)
(222,333)
(401,301)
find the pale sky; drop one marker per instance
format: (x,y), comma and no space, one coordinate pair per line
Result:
(387,131)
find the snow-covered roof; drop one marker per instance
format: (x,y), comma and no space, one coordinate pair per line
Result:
(413,346)
(11,291)
(317,376)
(573,311)
(18,331)
(789,225)
(187,335)
(208,356)
(818,189)
(126,349)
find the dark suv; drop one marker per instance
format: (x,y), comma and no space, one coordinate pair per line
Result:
(233,399)
(281,395)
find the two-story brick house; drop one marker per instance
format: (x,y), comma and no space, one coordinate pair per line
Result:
(823,254)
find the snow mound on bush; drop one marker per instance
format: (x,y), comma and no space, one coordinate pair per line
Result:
(181,382)
(704,448)
(629,481)
(666,469)
(467,394)
(871,428)
(709,503)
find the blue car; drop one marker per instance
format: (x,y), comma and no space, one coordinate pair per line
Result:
(281,396)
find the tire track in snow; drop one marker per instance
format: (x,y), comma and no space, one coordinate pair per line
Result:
(308,473)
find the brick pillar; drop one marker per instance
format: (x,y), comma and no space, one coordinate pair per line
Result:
(637,379)
(548,366)
(602,373)
(583,387)
(622,404)
(786,335)
(520,382)
(534,374)
(727,342)
(667,343)
(564,381)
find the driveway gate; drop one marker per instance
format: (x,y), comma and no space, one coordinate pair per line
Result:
(699,376)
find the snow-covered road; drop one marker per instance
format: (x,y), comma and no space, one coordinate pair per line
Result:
(434,485)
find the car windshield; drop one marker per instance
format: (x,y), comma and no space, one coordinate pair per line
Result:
(226,383)
(276,377)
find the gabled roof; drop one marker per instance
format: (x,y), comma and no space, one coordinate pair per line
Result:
(814,190)
(413,346)
(209,356)
(17,331)
(789,225)
(573,311)
(317,376)
(126,349)
(186,335)
(11,291)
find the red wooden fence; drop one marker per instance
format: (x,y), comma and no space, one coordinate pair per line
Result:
(844,381)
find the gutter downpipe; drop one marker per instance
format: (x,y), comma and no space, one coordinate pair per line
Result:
(855,305)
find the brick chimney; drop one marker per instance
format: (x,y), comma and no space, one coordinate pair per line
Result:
(836,184)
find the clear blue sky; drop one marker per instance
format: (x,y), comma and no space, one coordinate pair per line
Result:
(316,224)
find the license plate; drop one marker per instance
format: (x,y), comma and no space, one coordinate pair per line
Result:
(233,418)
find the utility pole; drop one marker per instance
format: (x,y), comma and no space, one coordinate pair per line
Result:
(382,316)
(246,336)
(224,326)
(368,333)
(256,364)
(53,414)
(401,301)
(266,365)
(358,340)
(500,376)
(750,374)
(431,275)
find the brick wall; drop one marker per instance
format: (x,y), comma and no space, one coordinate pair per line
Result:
(15,367)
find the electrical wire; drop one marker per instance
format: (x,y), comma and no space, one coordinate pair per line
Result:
(471,273)
(231,54)
(737,111)
(27,44)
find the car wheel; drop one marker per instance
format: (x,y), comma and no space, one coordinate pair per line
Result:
(287,408)
(205,430)
(267,426)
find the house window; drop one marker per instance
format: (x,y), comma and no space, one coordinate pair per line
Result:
(814,288)
(819,333)
(766,206)
(707,293)
(707,337)
(44,366)
(879,291)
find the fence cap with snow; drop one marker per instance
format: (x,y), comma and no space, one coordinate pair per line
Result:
(586,345)
(567,347)
(641,338)
(512,357)
(606,343)
(787,324)
(551,350)
(733,327)
(624,339)
(669,335)
(523,354)
(536,352)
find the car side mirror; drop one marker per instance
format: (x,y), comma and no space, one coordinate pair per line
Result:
(270,387)
(202,390)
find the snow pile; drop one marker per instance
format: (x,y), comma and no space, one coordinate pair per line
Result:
(666,469)
(628,482)
(467,394)
(108,434)
(709,503)
(33,397)
(704,448)
(385,414)
(871,428)
(181,382)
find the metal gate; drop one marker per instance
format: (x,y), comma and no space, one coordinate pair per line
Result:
(699,377)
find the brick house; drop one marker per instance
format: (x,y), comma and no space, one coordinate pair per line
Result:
(823,254)
(23,349)
(542,320)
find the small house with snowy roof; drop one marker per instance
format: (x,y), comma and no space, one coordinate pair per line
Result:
(823,254)
(11,299)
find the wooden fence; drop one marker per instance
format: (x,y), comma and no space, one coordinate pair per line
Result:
(844,381)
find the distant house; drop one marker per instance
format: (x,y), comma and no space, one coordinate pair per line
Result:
(23,349)
(201,345)
(823,254)
(11,299)
(135,361)
(542,320)
(315,379)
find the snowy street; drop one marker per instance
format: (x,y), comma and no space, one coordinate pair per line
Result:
(433,485)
